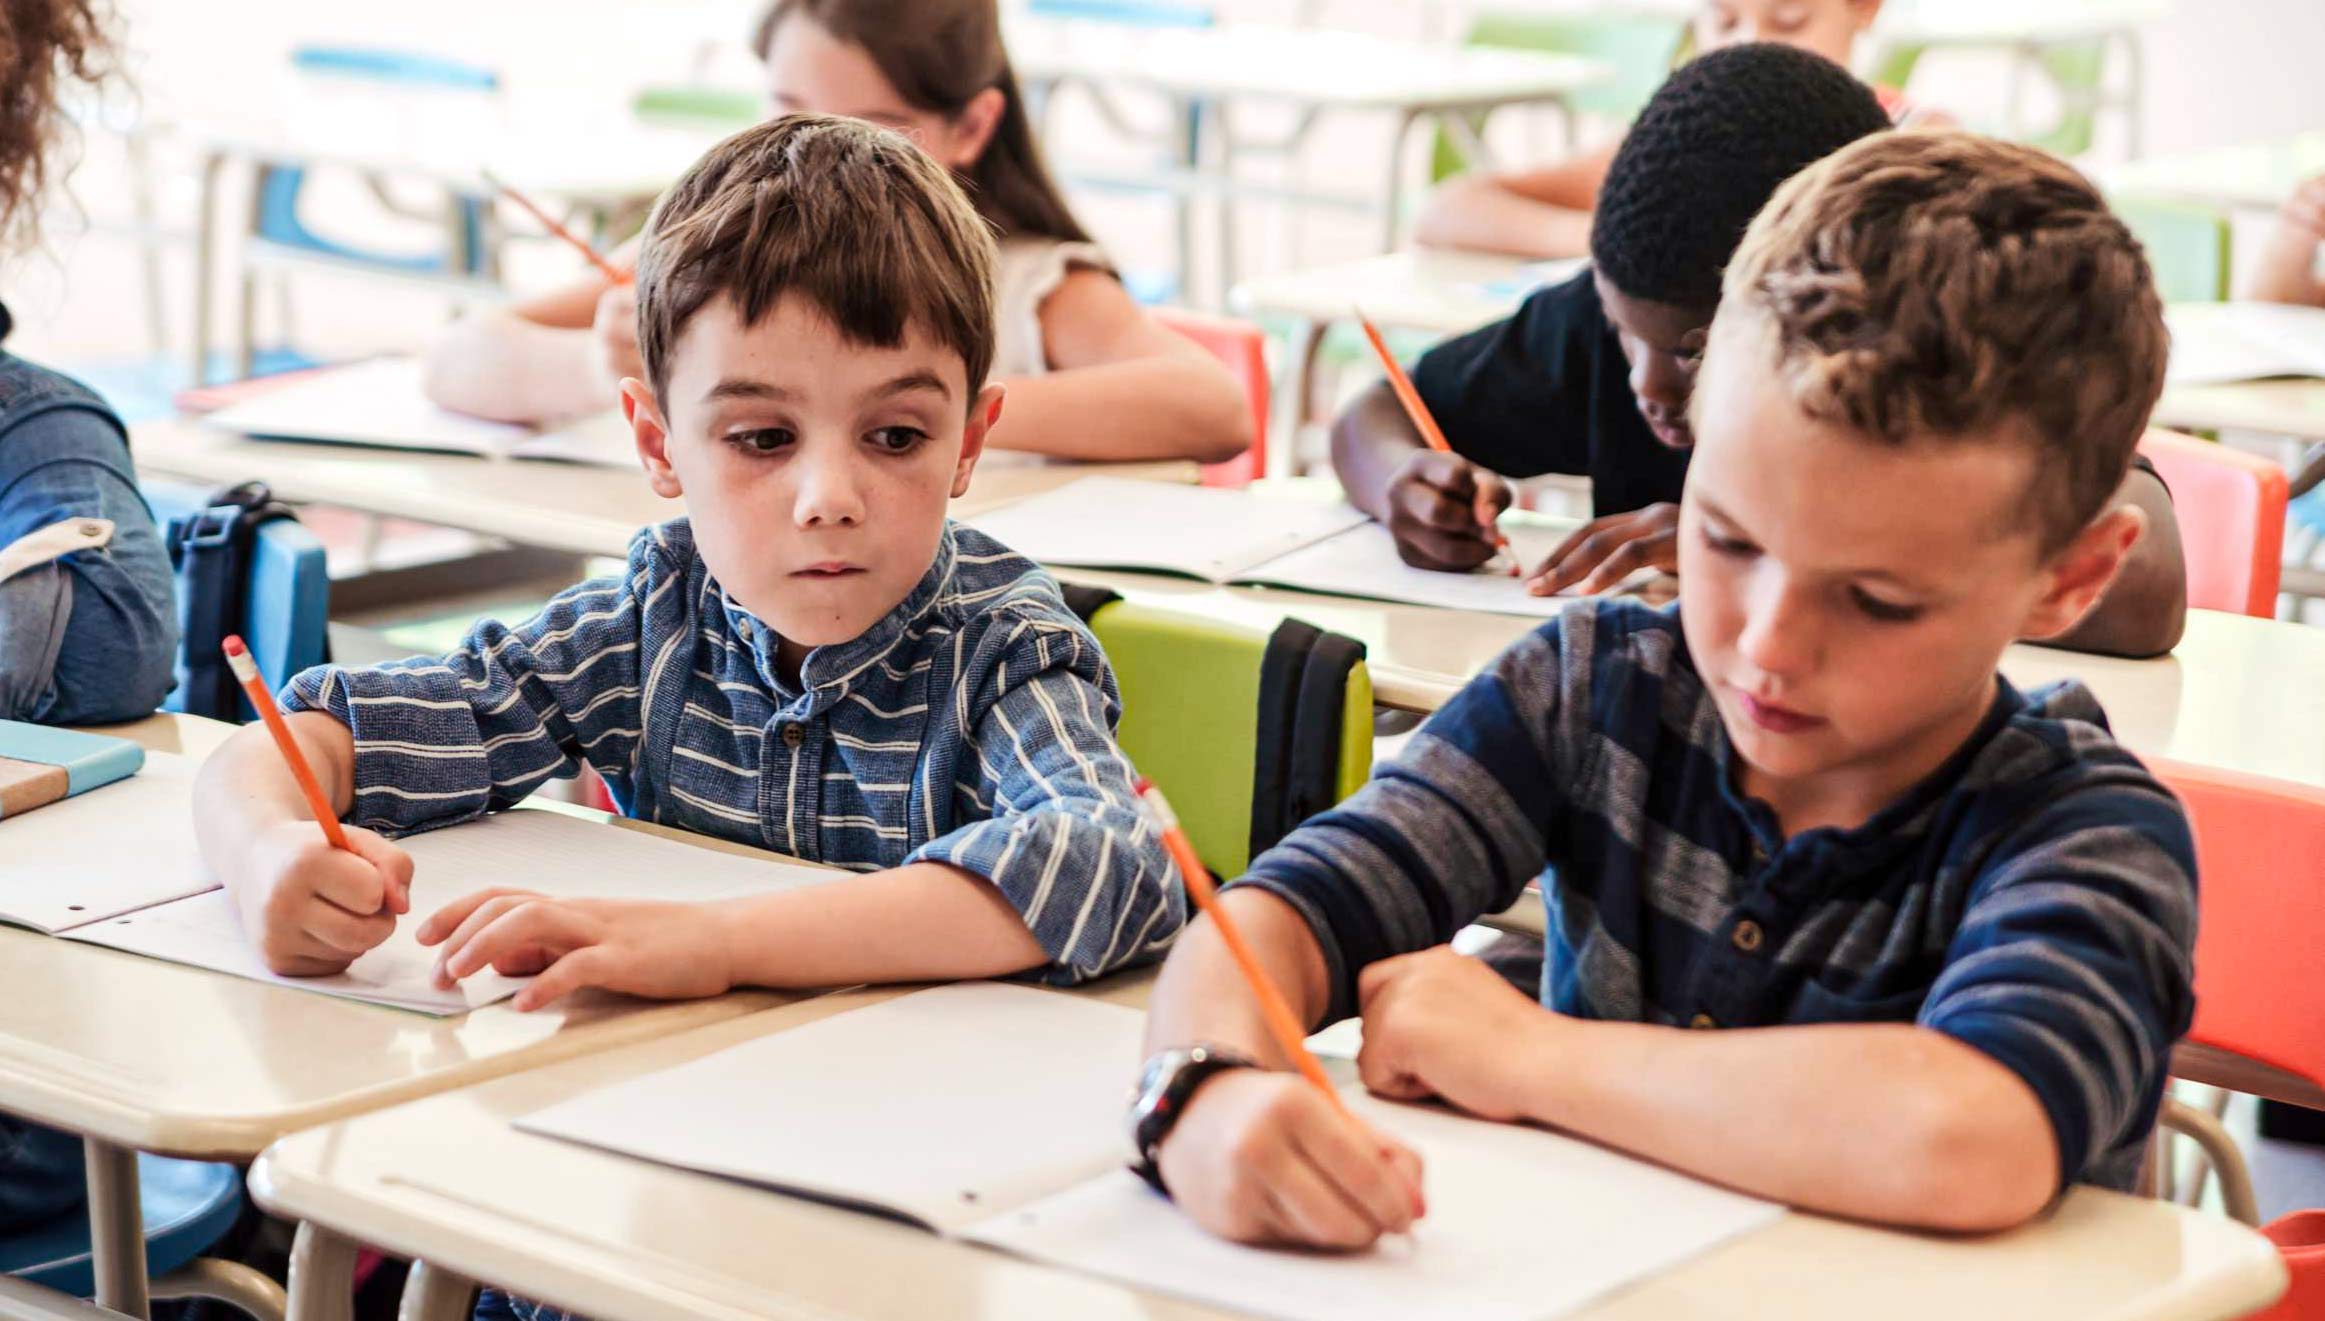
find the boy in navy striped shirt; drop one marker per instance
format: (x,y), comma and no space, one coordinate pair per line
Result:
(814,661)
(1836,915)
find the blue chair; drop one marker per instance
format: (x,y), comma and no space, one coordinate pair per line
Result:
(187,1206)
(287,600)
(1141,13)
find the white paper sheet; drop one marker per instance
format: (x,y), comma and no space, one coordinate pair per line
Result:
(2218,343)
(1363,562)
(537,850)
(1522,1225)
(380,403)
(943,1106)
(117,848)
(1203,532)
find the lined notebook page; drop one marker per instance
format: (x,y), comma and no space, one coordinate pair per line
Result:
(119,847)
(942,1106)
(529,849)
(1523,1225)
(1363,561)
(1203,532)
(2217,343)
(379,402)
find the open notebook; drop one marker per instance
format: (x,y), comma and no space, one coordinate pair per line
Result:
(993,1113)
(117,867)
(2219,343)
(1241,537)
(379,403)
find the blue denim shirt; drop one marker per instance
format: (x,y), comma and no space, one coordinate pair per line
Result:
(88,637)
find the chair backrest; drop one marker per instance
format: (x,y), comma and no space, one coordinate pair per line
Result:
(1640,47)
(286,610)
(1241,347)
(2078,70)
(2260,856)
(1249,732)
(700,104)
(2231,510)
(1137,13)
(2187,246)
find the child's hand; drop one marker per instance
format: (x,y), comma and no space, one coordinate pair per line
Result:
(615,331)
(2305,209)
(1441,510)
(663,951)
(315,908)
(1443,1024)
(1262,1157)
(1604,551)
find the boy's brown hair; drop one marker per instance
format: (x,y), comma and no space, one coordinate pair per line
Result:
(1944,284)
(849,216)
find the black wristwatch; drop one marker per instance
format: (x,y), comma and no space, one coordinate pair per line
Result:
(1165,1086)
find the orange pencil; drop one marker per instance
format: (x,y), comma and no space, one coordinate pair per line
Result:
(1419,412)
(1280,1023)
(246,673)
(611,272)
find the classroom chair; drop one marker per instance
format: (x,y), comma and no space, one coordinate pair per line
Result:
(1139,13)
(279,238)
(2187,247)
(1641,48)
(2260,850)
(1249,733)
(281,608)
(2231,511)
(187,1206)
(1241,348)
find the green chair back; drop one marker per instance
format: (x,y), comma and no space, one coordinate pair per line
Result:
(697,104)
(1640,47)
(1191,714)
(2077,71)
(2187,247)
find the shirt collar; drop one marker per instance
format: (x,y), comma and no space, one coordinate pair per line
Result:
(829,672)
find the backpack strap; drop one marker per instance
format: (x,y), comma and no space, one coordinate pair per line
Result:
(1086,601)
(210,552)
(1319,723)
(1281,670)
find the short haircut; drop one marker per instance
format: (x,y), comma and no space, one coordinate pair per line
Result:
(851,217)
(1943,284)
(1707,153)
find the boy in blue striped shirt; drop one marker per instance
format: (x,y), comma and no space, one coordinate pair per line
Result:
(814,661)
(1835,914)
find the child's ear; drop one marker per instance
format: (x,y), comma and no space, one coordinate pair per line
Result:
(653,436)
(974,126)
(2082,573)
(983,413)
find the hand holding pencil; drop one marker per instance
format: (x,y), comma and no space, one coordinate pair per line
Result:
(1453,489)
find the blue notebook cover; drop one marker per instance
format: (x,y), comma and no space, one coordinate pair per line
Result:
(31,756)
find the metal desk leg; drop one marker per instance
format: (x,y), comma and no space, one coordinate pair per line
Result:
(322,1276)
(434,1294)
(1217,150)
(1393,221)
(1187,127)
(205,263)
(116,1228)
(1294,398)
(2134,91)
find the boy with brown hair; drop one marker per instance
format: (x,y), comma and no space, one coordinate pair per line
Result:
(1956,918)
(813,661)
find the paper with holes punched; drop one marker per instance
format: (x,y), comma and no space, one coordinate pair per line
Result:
(115,849)
(380,403)
(550,852)
(993,1112)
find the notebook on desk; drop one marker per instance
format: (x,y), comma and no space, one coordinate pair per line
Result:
(2223,343)
(992,1113)
(1251,539)
(380,403)
(119,868)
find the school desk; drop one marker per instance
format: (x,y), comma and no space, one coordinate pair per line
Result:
(136,1054)
(2253,175)
(447,1181)
(2290,407)
(575,508)
(1204,73)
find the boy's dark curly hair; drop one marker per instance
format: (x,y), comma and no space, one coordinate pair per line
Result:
(45,45)
(1707,153)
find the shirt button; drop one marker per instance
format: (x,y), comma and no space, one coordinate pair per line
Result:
(1703,1021)
(1748,936)
(794,735)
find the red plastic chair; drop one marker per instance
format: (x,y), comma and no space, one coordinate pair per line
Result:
(1241,347)
(2231,509)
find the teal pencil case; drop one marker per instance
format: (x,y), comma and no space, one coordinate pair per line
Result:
(40,765)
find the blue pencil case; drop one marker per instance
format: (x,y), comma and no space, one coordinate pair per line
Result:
(40,765)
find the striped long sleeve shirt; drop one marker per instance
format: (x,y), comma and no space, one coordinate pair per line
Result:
(973,725)
(2034,898)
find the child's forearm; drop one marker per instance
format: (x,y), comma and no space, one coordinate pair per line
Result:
(1482,214)
(245,786)
(502,366)
(1884,1122)
(2287,270)
(1202,998)
(1371,439)
(1160,407)
(925,922)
